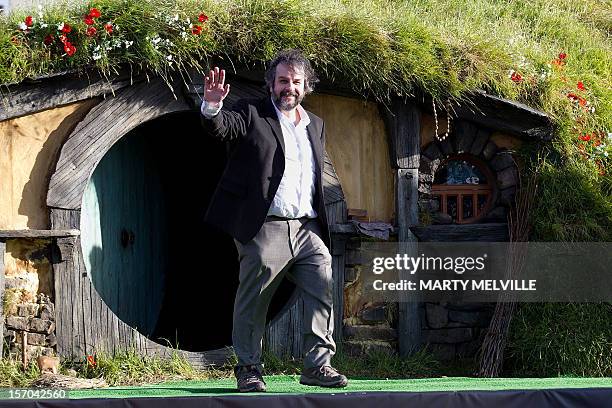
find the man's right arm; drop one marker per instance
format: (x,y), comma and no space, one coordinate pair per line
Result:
(225,124)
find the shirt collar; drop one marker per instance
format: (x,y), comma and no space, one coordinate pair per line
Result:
(304,118)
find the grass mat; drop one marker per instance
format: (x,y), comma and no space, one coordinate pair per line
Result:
(289,384)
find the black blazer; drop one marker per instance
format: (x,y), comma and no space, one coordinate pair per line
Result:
(245,192)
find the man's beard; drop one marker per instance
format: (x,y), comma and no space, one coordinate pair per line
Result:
(287,105)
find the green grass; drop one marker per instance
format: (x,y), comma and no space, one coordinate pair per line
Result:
(12,373)
(129,368)
(379,365)
(561,339)
(126,368)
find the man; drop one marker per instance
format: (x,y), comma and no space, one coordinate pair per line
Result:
(270,199)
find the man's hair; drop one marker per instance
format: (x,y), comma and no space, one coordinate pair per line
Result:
(295,59)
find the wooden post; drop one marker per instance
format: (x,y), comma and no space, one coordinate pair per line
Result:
(409,320)
(24,349)
(2,248)
(404,126)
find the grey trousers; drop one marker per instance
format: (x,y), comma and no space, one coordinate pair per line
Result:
(291,248)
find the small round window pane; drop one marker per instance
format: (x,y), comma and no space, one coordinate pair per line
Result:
(459,172)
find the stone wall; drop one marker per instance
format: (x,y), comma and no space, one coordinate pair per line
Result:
(33,322)
(455,330)
(27,303)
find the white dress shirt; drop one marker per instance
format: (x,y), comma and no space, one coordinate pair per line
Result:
(295,194)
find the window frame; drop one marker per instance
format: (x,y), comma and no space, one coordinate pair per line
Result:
(443,191)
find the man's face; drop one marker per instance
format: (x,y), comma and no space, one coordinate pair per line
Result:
(288,89)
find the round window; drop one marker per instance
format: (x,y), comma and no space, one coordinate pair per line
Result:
(463,188)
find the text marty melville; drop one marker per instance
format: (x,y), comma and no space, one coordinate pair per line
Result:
(486,285)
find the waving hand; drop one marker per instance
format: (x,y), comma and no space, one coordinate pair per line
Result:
(215,88)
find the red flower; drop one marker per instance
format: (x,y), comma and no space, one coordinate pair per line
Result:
(202,18)
(582,101)
(28,21)
(94,13)
(108,27)
(516,77)
(88,20)
(562,56)
(585,138)
(196,30)
(596,143)
(91,361)
(66,28)
(91,31)
(572,96)
(48,40)
(63,38)
(69,49)
(581,86)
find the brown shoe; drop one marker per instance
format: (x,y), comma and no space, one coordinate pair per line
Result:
(323,376)
(249,379)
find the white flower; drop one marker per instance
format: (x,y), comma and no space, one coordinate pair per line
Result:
(176,17)
(23,26)
(606,154)
(128,44)
(610,136)
(96,57)
(60,26)
(44,25)
(183,34)
(169,57)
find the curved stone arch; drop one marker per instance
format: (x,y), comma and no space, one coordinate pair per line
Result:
(469,139)
(85,324)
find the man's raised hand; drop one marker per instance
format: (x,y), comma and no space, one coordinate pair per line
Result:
(215,88)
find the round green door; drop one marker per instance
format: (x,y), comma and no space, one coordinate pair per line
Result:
(123,231)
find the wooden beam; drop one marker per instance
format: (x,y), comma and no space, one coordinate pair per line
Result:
(34,233)
(493,232)
(33,96)
(403,125)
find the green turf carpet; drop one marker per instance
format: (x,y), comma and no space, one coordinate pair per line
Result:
(279,384)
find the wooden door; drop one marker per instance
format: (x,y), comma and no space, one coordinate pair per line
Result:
(124,232)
